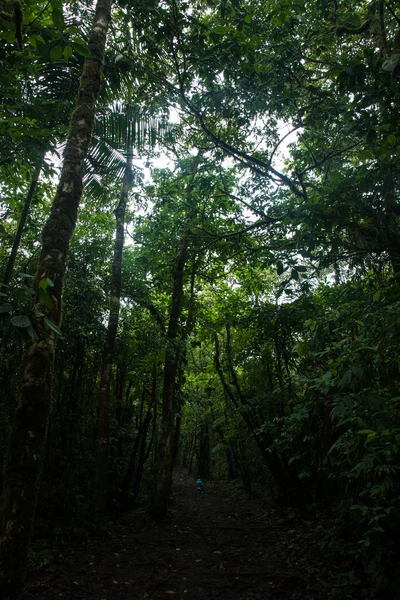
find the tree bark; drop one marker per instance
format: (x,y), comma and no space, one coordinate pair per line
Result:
(22,221)
(28,435)
(103,433)
(141,456)
(158,509)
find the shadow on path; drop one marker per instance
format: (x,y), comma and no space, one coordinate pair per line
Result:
(212,546)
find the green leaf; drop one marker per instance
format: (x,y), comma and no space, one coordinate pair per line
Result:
(368,432)
(45,283)
(56,53)
(58,17)
(8,36)
(52,326)
(32,333)
(280,268)
(67,52)
(81,49)
(376,296)
(391,63)
(45,299)
(21,321)
(221,30)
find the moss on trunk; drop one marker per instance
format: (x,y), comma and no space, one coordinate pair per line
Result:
(28,436)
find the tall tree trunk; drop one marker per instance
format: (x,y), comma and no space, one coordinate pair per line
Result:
(154,403)
(28,435)
(141,456)
(158,509)
(190,324)
(103,433)
(22,221)
(128,477)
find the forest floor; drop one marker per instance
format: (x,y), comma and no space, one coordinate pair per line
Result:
(219,545)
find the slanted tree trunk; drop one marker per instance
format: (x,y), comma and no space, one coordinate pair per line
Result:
(103,435)
(28,435)
(22,221)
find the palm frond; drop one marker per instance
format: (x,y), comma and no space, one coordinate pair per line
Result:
(120,129)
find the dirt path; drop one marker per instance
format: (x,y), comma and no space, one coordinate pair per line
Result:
(213,546)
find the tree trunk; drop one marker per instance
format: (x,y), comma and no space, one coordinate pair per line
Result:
(162,492)
(291,489)
(103,433)
(28,435)
(154,404)
(128,477)
(141,456)
(22,221)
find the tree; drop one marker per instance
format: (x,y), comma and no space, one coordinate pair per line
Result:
(100,487)
(29,432)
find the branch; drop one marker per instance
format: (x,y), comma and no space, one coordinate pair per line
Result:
(255,164)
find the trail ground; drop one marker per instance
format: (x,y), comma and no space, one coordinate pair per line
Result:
(214,546)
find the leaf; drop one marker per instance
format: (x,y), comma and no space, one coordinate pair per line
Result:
(52,326)
(32,333)
(9,36)
(67,52)
(56,53)
(45,283)
(280,268)
(391,63)
(368,432)
(58,17)
(221,30)
(81,49)
(376,296)
(45,299)
(21,321)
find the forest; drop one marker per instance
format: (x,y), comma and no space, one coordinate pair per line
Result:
(200,277)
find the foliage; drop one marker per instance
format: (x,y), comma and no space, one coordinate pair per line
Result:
(279,125)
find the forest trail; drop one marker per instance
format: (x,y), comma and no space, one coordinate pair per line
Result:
(213,546)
